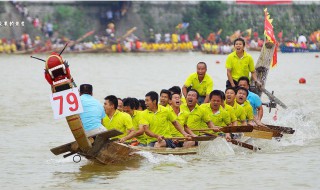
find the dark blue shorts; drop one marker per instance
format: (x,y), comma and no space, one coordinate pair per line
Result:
(169,143)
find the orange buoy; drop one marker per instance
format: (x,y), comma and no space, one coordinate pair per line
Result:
(302,80)
(217,62)
(317,55)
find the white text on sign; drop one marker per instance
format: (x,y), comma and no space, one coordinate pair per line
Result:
(66,103)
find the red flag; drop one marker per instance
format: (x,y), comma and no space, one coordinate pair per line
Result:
(268,32)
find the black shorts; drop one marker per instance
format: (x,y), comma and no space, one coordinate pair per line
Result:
(169,143)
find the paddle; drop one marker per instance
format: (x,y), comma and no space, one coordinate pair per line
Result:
(197,138)
(239,143)
(245,145)
(263,128)
(287,130)
(230,129)
(259,134)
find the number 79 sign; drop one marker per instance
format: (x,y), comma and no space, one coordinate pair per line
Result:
(66,103)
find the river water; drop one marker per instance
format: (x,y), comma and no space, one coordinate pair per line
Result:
(28,129)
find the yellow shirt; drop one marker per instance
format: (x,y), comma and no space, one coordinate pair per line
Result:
(231,112)
(182,120)
(120,121)
(137,119)
(239,66)
(197,118)
(174,38)
(221,118)
(239,112)
(248,110)
(159,122)
(204,88)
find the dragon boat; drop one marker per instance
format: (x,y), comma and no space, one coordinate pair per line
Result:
(101,149)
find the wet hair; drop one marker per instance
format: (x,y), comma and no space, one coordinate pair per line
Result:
(142,104)
(129,102)
(242,88)
(201,62)
(244,78)
(239,39)
(230,88)
(113,100)
(216,93)
(86,89)
(175,89)
(153,96)
(166,92)
(193,90)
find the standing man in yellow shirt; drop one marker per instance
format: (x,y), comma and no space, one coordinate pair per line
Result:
(116,119)
(239,63)
(201,82)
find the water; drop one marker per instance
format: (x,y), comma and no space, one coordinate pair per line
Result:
(28,129)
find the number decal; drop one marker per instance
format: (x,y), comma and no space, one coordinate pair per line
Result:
(73,101)
(60,98)
(66,103)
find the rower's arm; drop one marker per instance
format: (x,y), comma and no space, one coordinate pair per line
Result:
(140,130)
(150,133)
(188,130)
(212,126)
(184,91)
(179,128)
(230,77)
(131,134)
(244,123)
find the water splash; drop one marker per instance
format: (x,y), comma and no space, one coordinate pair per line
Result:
(158,159)
(217,148)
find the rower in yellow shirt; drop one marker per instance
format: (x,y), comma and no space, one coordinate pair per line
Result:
(201,82)
(177,90)
(129,106)
(182,117)
(241,99)
(157,122)
(197,119)
(116,119)
(218,115)
(165,98)
(239,110)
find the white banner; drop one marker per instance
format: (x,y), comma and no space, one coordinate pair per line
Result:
(66,103)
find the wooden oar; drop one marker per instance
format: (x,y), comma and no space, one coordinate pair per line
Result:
(263,128)
(127,33)
(245,145)
(287,130)
(259,134)
(197,138)
(239,143)
(230,129)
